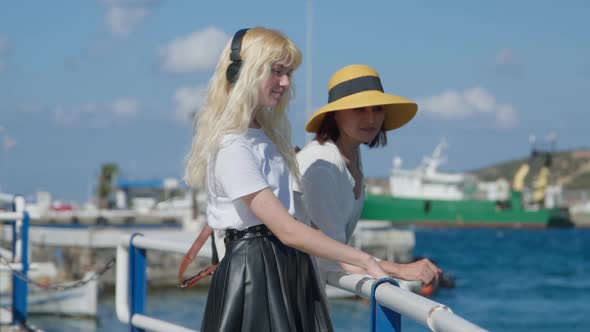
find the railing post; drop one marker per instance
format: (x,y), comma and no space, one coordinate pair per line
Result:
(383,318)
(137,282)
(20,235)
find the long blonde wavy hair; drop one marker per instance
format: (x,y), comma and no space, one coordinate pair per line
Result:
(230,108)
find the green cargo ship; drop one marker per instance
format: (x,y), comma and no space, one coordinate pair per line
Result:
(465,213)
(426,197)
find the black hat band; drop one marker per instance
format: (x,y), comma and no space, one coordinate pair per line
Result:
(355,85)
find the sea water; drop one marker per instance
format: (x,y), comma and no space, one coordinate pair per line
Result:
(506,280)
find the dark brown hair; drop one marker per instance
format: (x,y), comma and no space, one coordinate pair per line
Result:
(329,131)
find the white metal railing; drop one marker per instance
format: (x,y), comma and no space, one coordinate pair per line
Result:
(17,216)
(7,216)
(126,312)
(437,317)
(18,260)
(131,280)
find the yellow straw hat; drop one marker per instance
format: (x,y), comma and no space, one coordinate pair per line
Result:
(357,86)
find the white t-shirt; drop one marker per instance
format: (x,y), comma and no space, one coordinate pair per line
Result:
(244,164)
(324,196)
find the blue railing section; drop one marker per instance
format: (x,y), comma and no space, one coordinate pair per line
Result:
(383,318)
(19,220)
(19,286)
(137,280)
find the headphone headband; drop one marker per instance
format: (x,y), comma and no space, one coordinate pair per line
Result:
(233,69)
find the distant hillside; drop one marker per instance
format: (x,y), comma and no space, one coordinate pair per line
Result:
(571,169)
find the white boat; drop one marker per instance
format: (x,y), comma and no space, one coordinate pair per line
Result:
(428,183)
(581,213)
(81,301)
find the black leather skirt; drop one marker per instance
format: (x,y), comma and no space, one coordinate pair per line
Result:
(263,285)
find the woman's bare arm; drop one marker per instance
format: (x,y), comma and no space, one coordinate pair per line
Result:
(267,207)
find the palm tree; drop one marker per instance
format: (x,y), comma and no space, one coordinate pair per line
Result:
(108,172)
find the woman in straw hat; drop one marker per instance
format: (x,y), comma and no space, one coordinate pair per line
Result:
(332,189)
(242,153)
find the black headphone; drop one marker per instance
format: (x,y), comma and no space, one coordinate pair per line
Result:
(233,70)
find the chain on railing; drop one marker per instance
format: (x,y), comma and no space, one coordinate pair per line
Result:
(59,286)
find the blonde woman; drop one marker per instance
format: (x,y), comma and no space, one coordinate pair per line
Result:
(242,153)
(332,187)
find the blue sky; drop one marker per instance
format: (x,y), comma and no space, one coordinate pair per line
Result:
(88,82)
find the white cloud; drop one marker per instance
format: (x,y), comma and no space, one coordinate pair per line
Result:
(122,16)
(122,20)
(125,107)
(66,117)
(471,102)
(480,99)
(449,104)
(507,61)
(197,51)
(188,101)
(95,114)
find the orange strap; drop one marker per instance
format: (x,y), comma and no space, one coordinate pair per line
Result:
(190,256)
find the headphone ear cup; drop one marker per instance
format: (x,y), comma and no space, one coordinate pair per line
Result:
(233,70)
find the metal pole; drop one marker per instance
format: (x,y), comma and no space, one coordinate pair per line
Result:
(308,67)
(20,235)
(383,318)
(137,282)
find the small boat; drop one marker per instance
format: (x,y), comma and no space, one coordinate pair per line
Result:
(46,295)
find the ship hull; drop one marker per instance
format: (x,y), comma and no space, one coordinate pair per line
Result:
(460,213)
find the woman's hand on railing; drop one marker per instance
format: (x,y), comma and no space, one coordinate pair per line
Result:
(422,270)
